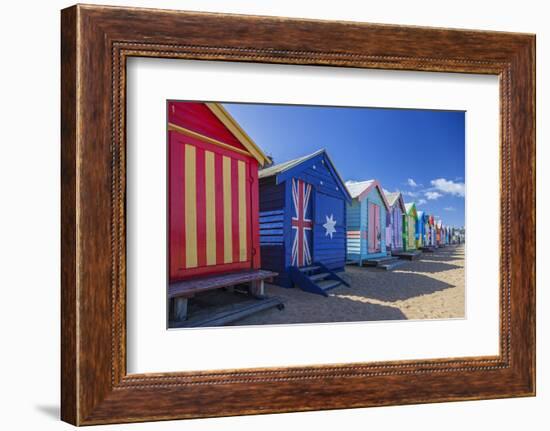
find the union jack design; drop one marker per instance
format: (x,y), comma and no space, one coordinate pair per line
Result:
(301,193)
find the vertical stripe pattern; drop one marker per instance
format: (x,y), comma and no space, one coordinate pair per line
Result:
(242,211)
(190,207)
(216,199)
(227,213)
(210,191)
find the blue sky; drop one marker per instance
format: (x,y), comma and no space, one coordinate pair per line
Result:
(418,152)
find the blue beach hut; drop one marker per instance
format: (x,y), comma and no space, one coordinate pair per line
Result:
(303,222)
(366,218)
(420,231)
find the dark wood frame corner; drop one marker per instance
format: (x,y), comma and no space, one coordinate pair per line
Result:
(95,43)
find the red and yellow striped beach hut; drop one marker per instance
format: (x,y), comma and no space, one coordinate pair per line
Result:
(213,192)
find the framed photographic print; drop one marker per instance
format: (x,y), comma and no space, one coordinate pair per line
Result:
(317,215)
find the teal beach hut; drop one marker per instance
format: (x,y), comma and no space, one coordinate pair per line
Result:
(366,221)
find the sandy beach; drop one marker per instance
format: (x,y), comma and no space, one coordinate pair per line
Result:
(431,287)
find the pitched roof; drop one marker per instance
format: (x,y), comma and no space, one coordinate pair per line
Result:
(281,167)
(409,206)
(394,197)
(283,170)
(225,117)
(359,189)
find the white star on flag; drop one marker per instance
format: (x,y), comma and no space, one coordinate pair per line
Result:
(329,225)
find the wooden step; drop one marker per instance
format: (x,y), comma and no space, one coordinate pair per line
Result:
(389,259)
(391,265)
(380,260)
(319,277)
(328,284)
(410,255)
(309,268)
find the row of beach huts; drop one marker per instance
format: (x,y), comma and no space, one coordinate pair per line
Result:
(236,219)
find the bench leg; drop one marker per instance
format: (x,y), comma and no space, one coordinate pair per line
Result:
(257,289)
(180,308)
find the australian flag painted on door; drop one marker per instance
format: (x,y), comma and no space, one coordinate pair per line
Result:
(302,215)
(302,225)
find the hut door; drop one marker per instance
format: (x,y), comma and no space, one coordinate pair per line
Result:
(374,237)
(301,223)
(397,229)
(411,227)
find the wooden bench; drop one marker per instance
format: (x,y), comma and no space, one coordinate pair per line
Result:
(179,292)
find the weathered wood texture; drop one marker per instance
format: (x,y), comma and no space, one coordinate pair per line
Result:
(190,287)
(69,395)
(95,44)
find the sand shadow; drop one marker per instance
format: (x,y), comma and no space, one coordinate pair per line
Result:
(448,258)
(429,266)
(396,286)
(367,311)
(342,309)
(442,257)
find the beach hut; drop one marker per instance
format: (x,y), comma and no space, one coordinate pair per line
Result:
(394,221)
(213,228)
(439,233)
(454,235)
(366,218)
(420,230)
(433,231)
(387,232)
(426,222)
(303,222)
(426,234)
(409,227)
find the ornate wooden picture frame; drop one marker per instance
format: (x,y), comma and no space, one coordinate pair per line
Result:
(96,41)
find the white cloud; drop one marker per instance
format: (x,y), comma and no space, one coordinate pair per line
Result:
(421,202)
(449,186)
(432,196)
(449,209)
(410,194)
(411,182)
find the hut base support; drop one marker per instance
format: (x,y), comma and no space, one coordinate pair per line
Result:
(257,289)
(229,314)
(180,308)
